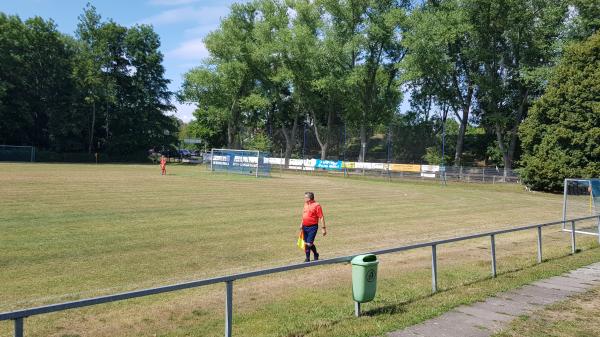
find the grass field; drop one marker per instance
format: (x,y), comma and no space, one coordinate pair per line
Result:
(75,231)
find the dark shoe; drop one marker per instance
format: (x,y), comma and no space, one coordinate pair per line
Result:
(316,256)
(306,260)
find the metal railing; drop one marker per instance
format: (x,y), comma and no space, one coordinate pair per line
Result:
(18,316)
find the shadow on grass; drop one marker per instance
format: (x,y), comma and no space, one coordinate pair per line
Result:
(399,308)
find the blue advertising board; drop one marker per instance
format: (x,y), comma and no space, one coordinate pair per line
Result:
(329,164)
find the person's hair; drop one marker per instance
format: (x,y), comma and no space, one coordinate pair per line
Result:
(310,195)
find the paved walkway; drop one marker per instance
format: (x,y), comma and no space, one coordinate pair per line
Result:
(483,319)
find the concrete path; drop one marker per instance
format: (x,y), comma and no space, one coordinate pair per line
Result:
(483,319)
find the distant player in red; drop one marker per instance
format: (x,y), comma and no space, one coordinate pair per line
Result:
(163,165)
(311,214)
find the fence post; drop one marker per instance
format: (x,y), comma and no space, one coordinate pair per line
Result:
(493,246)
(433,268)
(573,246)
(599,229)
(539,244)
(228,307)
(19,327)
(257,162)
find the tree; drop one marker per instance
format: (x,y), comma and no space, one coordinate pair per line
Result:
(208,89)
(442,61)
(35,80)
(584,19)
(511,51)
(231,51)
(561,135)
(371,32)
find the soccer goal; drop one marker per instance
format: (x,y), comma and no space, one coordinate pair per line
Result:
(17,153)
(248,162)
(581,198)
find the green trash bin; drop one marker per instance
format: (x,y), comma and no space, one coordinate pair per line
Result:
(364,277)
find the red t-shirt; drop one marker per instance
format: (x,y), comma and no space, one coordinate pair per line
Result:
(163,162)
(312,213)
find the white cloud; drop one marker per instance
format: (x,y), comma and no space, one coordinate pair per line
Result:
(205,15)
(185,112)
(190,50)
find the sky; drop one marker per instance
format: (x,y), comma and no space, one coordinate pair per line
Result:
(181,24)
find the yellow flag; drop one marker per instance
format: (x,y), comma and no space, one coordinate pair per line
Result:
(301,240)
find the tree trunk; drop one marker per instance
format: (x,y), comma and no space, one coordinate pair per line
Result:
(107,122)
(363,143)
(324,143)
(232,127)
(464,122)
(505,156)
(290,140)
(92,127)
(460,140)
(230,134)
(515,130)
(508,154)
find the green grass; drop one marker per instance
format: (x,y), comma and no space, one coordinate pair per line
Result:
(75,231)
(575,317)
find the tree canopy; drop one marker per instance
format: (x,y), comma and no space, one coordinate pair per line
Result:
(102,90)
(561,135)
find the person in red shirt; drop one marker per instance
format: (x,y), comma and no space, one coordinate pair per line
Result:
(163,165)
(311,215)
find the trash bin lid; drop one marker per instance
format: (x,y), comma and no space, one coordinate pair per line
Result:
(365,260)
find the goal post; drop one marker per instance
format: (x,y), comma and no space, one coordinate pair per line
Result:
(247,162)
(581,198)
(17,153)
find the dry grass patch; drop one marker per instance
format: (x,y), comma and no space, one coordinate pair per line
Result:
(577,316)
(75,231)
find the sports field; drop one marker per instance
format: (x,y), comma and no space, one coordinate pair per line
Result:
(76,231)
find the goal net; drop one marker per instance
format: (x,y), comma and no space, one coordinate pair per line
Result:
(248,162)
(581,198)
(17,153)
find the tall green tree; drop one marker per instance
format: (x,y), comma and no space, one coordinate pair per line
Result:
(442,61)
(511,50)
(35,80)
(561,135)
(372,31)
(231,51)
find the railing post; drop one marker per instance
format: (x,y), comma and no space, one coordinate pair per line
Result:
(539,244)
(228,307)
(493,246)
(599,229)
(573,246)
(434,286)
(19,327)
